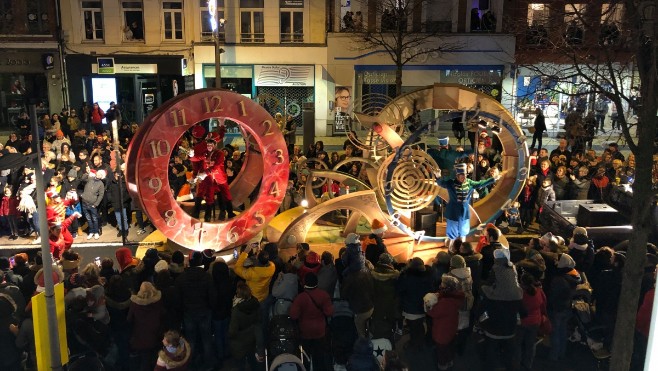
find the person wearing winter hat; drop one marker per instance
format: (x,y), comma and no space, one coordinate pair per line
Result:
(385,301)
(175,353)
(581,250)
(460,190)
(146,314)
(462,274)
(59,236)
(500,311)
(39,280)
(353,258)
(177,264)
(373,245)
(311,309)
(128,267)
(562,288)
(445,319)
(503,284)
(415,281)
(161,266)
(311,265)
(440,266)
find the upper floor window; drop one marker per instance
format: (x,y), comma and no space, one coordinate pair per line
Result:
(92,13)
(172,13)
(133,18)
(252,25)
(439,16)
(573,18)
(37,17)
(482,16)
(206,19)
(611,22)
(292,26)
(537,33)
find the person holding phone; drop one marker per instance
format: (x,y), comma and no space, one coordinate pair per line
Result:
(257,276)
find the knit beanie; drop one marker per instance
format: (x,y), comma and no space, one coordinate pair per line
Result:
(457,261)
(503,254)
(178,258)
(386,259)
(443,258)
(579,242)
(579,230)
(124,257)
(417,264)
(352,238)
(566,261)
(449,282)
(310,280)
(161,266)
(378,227)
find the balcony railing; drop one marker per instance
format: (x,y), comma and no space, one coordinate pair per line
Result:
(252,37)
(292,37)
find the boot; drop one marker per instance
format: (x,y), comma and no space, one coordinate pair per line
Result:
(229,209)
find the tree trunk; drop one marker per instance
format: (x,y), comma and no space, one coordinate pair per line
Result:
(622,348)
(398,80)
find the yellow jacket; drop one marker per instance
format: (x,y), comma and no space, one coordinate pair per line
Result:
(258,278)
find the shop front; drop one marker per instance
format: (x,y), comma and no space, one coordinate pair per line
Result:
(138,84)
(26,78)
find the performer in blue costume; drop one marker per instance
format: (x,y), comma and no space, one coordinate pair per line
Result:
(460,190)
(445,156)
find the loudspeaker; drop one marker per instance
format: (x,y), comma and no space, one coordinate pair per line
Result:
(426,221)
(598,215)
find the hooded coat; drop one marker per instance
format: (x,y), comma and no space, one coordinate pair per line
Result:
(413,284)
(562,289)
(245,324)
(146,315)
(384,282)
(310,309)
(463,276)
(176,361)
(445,316)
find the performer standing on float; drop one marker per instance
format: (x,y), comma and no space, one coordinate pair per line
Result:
(460,190)
(215,168)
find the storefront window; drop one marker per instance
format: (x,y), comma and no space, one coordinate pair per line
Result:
(235,78)
(17,91)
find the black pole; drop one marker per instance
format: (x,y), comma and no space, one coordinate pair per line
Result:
(51,310)
(117,154)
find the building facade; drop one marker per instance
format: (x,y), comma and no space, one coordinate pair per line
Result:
(30,66)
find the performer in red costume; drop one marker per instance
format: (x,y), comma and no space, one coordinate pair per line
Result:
(59,237)
(198,152)
(215,167)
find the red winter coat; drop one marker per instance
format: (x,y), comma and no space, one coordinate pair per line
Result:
(217,172)
(445,317)
(97,116)
(311,317)
(9,206)
(643,321)
(64,241)
(535,306)
(206,189)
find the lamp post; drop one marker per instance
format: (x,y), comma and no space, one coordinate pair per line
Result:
(216,22)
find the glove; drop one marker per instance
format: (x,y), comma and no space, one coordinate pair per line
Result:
(191,153)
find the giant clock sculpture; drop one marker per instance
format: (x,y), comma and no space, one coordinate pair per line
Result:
(151,148)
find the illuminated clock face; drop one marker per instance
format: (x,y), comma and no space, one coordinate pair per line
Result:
(148,162)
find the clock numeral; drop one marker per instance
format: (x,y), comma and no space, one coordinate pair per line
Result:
(243,109)
(279,156)
(260,219)
(274,190)
(155,184)
(232,236)
(170,218)
(178,117)
(159,148)
(268,127)
(214,102)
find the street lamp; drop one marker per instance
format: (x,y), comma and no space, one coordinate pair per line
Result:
(216,22)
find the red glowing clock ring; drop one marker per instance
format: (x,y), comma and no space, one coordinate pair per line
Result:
(148,161)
